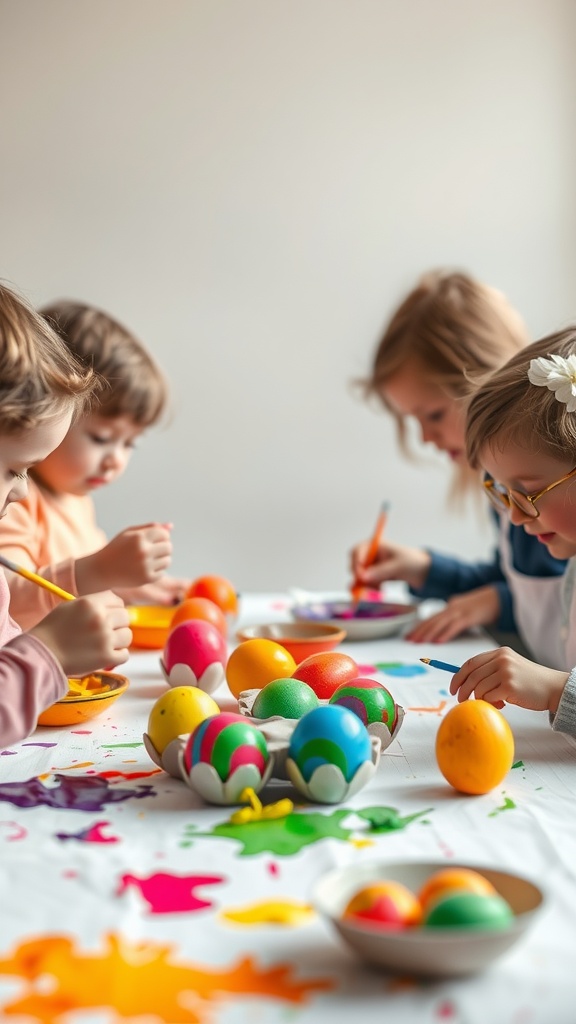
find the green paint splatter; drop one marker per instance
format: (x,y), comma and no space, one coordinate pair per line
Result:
(285,837)
(518,764)
(508,805)
(114,746)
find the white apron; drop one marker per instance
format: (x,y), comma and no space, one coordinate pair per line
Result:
(538,608)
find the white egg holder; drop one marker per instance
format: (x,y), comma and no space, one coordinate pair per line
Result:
(326,785)
(182,675)
(379,729)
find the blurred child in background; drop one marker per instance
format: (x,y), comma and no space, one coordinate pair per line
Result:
(522,432)
(449,330)
(41,388)
(54,531)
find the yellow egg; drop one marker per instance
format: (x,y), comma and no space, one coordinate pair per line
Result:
(178,711)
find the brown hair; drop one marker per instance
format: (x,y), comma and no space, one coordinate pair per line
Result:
(509,408)
(135,385)
(39,377)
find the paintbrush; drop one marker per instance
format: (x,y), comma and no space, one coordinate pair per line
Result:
(35,578)
(359,590)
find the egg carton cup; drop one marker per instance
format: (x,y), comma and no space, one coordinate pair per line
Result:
(182,675)
(327,784)
(379,729)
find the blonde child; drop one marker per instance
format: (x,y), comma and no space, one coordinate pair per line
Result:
(446,332)
(54,531)
(522,432)
(41,388)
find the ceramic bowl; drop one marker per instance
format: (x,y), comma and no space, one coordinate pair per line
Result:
(101,689)
(368,620)
(150,624)
(432,952)
(300,639)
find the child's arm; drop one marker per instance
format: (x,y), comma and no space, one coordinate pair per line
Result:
(504,677)
(77,638)
(138,555)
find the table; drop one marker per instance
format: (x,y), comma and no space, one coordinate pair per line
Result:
(124,898)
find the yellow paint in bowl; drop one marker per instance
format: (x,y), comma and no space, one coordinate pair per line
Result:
(150,624)
(86,698)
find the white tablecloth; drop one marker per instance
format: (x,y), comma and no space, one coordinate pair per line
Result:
(121,894)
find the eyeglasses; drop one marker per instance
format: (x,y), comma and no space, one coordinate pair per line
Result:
(503,497)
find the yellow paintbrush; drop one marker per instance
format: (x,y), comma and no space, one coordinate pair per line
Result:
(35,578)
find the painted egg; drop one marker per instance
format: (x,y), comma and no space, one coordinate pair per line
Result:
(368,699)
(474,747)
(452,880)
(178,711)
(217,589)
(330,735)
(226,742)
(469,910)
(327,671)
(289,698)
(254,663)
(201,650)
(384,905)
(200,608)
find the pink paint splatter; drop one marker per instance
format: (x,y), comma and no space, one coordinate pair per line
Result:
(92,834)
(18,831)
(446,1010)
(170,894)
(368,669)
(273,868)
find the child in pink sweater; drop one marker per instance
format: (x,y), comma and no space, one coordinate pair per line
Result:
(54,531)
(41,388)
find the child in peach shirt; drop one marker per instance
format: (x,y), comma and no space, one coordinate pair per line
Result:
(41,388)
(54,531)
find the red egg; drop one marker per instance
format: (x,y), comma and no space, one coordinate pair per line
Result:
(195,654)
(384,905)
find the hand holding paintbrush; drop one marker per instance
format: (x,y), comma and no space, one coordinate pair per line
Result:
(380,561)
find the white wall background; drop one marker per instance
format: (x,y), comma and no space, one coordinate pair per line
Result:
(251,185)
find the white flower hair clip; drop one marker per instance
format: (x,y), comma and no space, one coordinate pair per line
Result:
(558,375)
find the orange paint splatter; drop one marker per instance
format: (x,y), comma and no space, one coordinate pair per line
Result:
(438,710)
(142,979)
(68,767)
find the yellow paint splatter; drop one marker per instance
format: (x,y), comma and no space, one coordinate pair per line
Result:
(360,843)
(288,913)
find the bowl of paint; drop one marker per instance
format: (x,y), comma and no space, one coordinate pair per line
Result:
(427,918)
(150,624)
(362,620)
(301,639)
(87,697)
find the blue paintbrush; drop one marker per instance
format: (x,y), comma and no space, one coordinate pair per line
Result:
(441,664)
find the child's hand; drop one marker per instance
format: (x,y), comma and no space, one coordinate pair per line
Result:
(87,634)
(138,555)
(167,590)
(392,562)
(502,676)
(479,607)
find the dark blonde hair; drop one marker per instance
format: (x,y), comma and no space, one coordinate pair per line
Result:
(508,408)
(39,377)
(134,384)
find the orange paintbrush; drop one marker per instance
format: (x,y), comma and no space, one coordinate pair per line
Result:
(359,590)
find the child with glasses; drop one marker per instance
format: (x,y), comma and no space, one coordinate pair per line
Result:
(522,432)
(42,388)
(54,530)
(446,333)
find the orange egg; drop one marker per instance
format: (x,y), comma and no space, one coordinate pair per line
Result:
(453,879)
(200,608)
(216,589)
(254,663)
(327,671)
(474,747)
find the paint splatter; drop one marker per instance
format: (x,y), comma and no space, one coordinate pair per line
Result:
(287,913)
(367,670)
(508,805)
(39,744)
(92,834)
(116,746)
(273,868)
(518,764)
(16,831)
(70,793)
(130,775)
(285,837)
(400,668)
(438,709)
(170,894)
(138,980)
